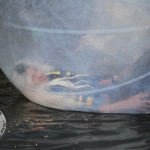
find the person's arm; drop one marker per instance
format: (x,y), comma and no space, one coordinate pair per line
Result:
(115,79)
(136,102)
(109,81)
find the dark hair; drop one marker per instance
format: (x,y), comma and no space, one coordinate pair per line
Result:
(21,68)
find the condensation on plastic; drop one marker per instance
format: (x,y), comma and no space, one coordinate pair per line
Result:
(86,37)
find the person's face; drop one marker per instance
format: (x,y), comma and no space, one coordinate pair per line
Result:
(38,76)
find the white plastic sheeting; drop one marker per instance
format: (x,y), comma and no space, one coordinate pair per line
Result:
(96,38)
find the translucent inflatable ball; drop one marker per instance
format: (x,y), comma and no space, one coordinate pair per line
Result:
(91,56)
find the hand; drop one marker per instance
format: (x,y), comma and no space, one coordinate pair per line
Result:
(135,103)
(109,81)
(139,102)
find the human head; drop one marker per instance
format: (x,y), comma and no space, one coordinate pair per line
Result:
(37,76)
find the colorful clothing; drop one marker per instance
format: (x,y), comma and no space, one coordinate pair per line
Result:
(90,100)
(92,81)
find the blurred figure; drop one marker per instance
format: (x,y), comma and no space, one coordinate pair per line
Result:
(57,81)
